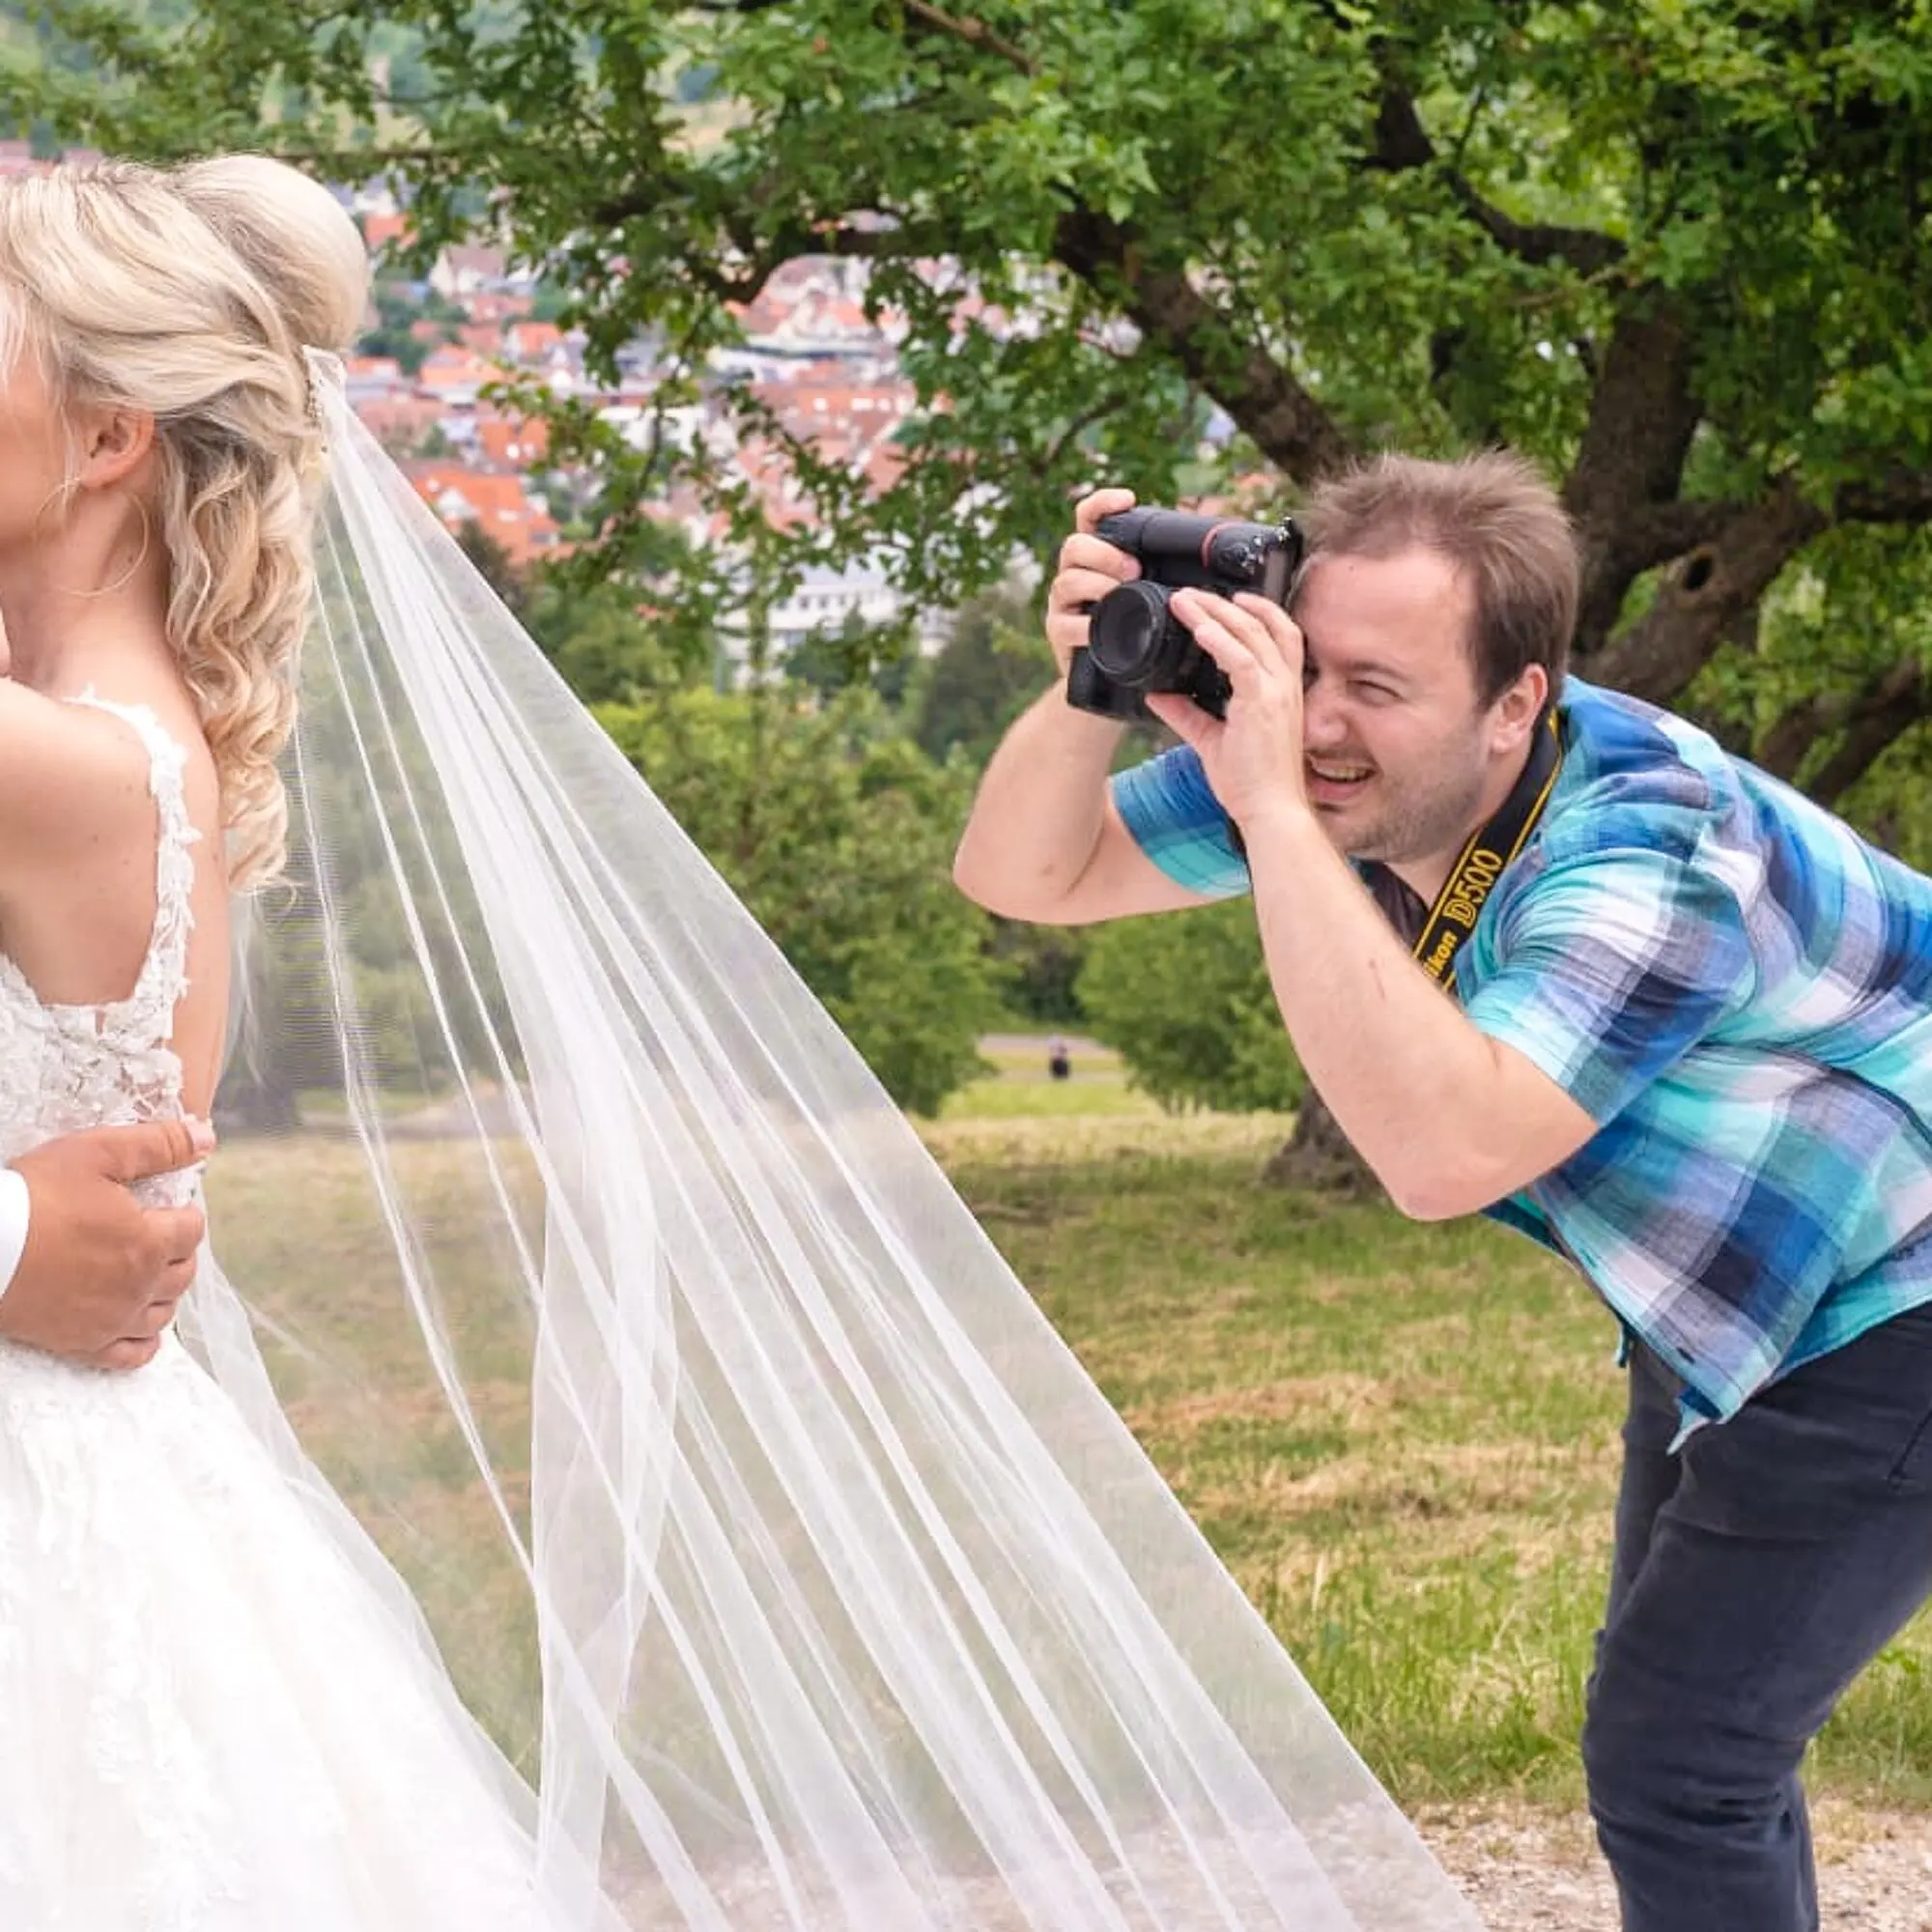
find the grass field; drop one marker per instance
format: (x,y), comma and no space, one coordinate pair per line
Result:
(1400,1439)
(1020,1089)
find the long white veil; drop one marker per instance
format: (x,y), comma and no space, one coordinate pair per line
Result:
(767,1528)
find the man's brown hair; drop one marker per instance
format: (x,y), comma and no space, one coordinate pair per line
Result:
(1492,515)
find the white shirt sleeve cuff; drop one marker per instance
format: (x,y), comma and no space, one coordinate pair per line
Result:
(14,1206)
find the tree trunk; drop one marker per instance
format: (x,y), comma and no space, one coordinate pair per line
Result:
(1319,1155)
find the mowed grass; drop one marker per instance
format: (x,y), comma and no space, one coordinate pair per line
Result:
(1402,1439)
(295,1226)
(1020,1089)
(1398,1439)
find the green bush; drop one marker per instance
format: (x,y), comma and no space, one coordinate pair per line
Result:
(1185,998)
(837,831)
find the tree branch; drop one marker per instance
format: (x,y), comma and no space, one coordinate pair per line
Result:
(1889,705)
(1403,143)
(1621,490)
(1719,542)
(974,33)
(1077,426)
(1657,532)
(1287,422)
(1897,496)
(1706,594)
(345,162)
(726,287)
(895,242)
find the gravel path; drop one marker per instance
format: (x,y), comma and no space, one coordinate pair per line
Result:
(1539,1872)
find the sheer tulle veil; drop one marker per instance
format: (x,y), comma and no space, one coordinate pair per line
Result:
(796,1574)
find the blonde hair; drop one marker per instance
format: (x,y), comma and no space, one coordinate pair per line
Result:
(1492,515)
(192,293)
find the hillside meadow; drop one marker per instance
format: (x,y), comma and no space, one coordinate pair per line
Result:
(1400,1439)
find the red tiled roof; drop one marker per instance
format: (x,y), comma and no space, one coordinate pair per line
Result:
(452,366)
(532,338)
(513,440)
(379,230)
(494,500)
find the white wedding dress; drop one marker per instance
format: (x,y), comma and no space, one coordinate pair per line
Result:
(209,1721)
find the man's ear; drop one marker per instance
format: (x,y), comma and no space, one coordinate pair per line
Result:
(1514,712)
(114,444)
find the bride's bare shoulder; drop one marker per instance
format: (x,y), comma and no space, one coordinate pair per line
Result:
(75,780)
(65,768)
(79,830)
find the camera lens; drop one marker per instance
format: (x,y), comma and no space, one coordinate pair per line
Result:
(1127,633)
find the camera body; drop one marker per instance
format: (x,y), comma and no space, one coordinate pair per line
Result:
(1135,645)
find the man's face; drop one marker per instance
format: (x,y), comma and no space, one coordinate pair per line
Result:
(1399,750)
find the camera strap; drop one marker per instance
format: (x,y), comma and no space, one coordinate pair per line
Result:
(1490,848)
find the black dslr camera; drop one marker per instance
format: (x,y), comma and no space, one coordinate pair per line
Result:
(1134,644)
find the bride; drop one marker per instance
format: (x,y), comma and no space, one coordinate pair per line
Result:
(802,1578)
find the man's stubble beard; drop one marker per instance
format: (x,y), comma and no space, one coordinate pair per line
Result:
(1415,824)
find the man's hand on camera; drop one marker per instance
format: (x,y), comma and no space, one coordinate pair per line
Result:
(1253,758)
(1089,568)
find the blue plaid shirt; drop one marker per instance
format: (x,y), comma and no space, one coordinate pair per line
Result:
(1738,989)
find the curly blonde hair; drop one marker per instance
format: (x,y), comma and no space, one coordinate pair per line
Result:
(193,293)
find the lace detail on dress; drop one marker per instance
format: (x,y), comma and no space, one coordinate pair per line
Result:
(69,1066)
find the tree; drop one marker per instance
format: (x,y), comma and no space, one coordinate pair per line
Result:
(852,653)
(496,567)
(836,831)
(337,946)
(1040,968)
(1188,1004)
(394,333)
(992,666)
(1676,253)
(604,648)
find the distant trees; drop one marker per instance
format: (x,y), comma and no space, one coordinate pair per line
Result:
(1187,1003)
(992,666)
(394,334)
(1676,253)
(837,832)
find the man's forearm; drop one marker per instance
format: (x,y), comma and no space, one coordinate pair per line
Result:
(1430,1103)
(1040,811)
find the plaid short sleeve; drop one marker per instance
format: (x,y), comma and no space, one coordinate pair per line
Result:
(1168,807)
(1611,967)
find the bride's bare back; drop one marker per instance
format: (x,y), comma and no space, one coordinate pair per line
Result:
(77,899)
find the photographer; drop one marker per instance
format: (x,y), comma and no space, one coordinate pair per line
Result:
(1687,1043)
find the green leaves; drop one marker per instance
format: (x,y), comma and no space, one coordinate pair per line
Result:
(991,668)
(1188,1004)
(1677,250)
(837,833)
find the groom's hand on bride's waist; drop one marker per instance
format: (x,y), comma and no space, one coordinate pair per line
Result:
(99,1275)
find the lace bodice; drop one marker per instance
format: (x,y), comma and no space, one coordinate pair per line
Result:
(65,1067)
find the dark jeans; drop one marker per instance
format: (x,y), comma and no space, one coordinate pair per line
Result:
(1757,1572)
